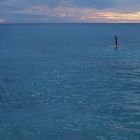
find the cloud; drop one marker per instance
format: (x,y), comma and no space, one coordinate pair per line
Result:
(96,4)
(43,13)
(116,17)
(2,21)
(127,5)
(70,10)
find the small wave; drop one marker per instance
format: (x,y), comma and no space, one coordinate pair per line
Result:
(135,80)
(132,130)
(112,46)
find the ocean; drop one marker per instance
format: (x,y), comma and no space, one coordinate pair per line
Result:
(68,82)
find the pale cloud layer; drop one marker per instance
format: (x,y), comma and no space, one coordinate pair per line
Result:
(44,11)
(2,21)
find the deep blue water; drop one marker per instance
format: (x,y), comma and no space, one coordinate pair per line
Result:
(67,82)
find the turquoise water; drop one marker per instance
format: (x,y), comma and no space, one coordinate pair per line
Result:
(67,82)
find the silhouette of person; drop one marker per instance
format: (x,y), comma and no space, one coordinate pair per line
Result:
(116,41)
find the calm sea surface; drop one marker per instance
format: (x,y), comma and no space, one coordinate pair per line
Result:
(67,82)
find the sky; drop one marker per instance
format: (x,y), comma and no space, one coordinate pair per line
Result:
(69,11)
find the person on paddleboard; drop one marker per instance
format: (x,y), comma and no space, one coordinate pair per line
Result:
(116,41)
